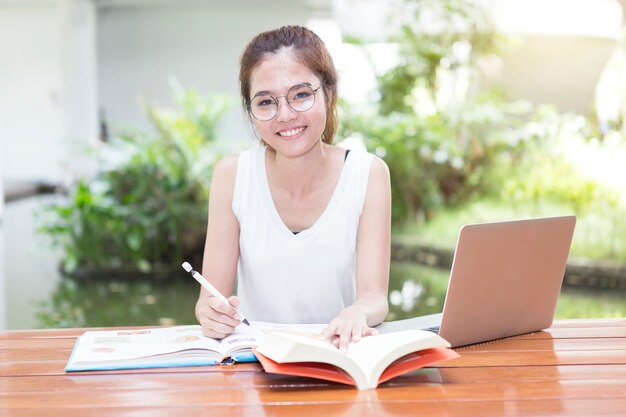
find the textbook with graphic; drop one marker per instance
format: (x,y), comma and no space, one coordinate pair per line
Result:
(170,347)
(366,364)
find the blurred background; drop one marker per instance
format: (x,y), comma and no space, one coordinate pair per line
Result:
(113,113)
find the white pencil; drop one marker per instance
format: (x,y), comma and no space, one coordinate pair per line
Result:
(187,267)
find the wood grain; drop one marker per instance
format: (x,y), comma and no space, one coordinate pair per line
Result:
(575,368)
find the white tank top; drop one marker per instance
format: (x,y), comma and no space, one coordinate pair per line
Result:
(307,277)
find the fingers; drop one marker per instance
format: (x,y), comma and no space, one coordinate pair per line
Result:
(344,338)
(341,335)
(216,331)
(357,332)
(370,331)
(218,320)
(222,308)
(329,332)
(233,300)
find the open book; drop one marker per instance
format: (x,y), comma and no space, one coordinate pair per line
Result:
(367,363)
(170,346)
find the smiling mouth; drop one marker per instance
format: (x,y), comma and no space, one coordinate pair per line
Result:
(291,132)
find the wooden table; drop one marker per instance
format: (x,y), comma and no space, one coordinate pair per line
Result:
(575,368)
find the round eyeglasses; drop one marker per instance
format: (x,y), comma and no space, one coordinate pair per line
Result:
(300,98)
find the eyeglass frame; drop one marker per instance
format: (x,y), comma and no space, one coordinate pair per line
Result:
(275,98)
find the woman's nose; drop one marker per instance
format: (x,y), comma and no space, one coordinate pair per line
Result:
(284,112)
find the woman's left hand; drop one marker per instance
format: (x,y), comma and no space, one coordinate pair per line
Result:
(349,326)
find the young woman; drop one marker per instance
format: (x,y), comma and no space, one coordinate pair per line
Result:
(299,226)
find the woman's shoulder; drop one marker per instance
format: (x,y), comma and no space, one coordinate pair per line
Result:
(227,166)
(373,168)
(377,166)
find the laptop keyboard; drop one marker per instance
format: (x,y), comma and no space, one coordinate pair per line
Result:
(434,329)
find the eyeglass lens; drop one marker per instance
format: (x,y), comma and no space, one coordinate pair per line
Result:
(299,97)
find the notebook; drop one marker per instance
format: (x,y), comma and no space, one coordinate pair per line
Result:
(505,280)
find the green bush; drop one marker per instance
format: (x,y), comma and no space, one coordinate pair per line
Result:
(435,156)
(436,36)
(446,152)
(147,206)
(426,167)
(443,159)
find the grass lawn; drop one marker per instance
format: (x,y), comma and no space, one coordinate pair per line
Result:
(598,235)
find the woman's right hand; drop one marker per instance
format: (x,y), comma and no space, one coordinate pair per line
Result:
(216,318)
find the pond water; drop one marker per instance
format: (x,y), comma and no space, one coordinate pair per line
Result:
(417,289)
(414,290)
(32,294)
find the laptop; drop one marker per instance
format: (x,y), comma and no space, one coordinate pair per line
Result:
(505,280)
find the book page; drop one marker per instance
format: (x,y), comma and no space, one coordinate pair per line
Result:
(310,330)
(117,345)
(364,361)
(373,354)
(246,337)
(287,347)
(125,345)
(243,339)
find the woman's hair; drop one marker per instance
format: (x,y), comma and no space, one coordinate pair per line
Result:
(309,50)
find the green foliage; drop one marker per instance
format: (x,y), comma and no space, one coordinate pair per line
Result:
(424,164)
(561,163)
(445,149)
(437,36)
(442,159)
(147,207)
(435,157)
(545,169)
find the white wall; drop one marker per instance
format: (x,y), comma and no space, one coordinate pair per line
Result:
(30,84)
(61,61)
(3,297)
(140,47)
(77,24)
(562,70)
(558,50)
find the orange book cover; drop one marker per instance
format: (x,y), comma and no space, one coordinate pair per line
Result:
(325,371)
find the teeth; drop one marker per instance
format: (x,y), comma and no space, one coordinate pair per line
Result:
(291,132)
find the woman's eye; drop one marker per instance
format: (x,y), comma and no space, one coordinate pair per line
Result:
(264,102)
(302,95)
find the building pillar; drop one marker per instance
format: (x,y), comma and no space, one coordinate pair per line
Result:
(78,20)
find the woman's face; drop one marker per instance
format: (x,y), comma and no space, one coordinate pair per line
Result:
(290,132)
